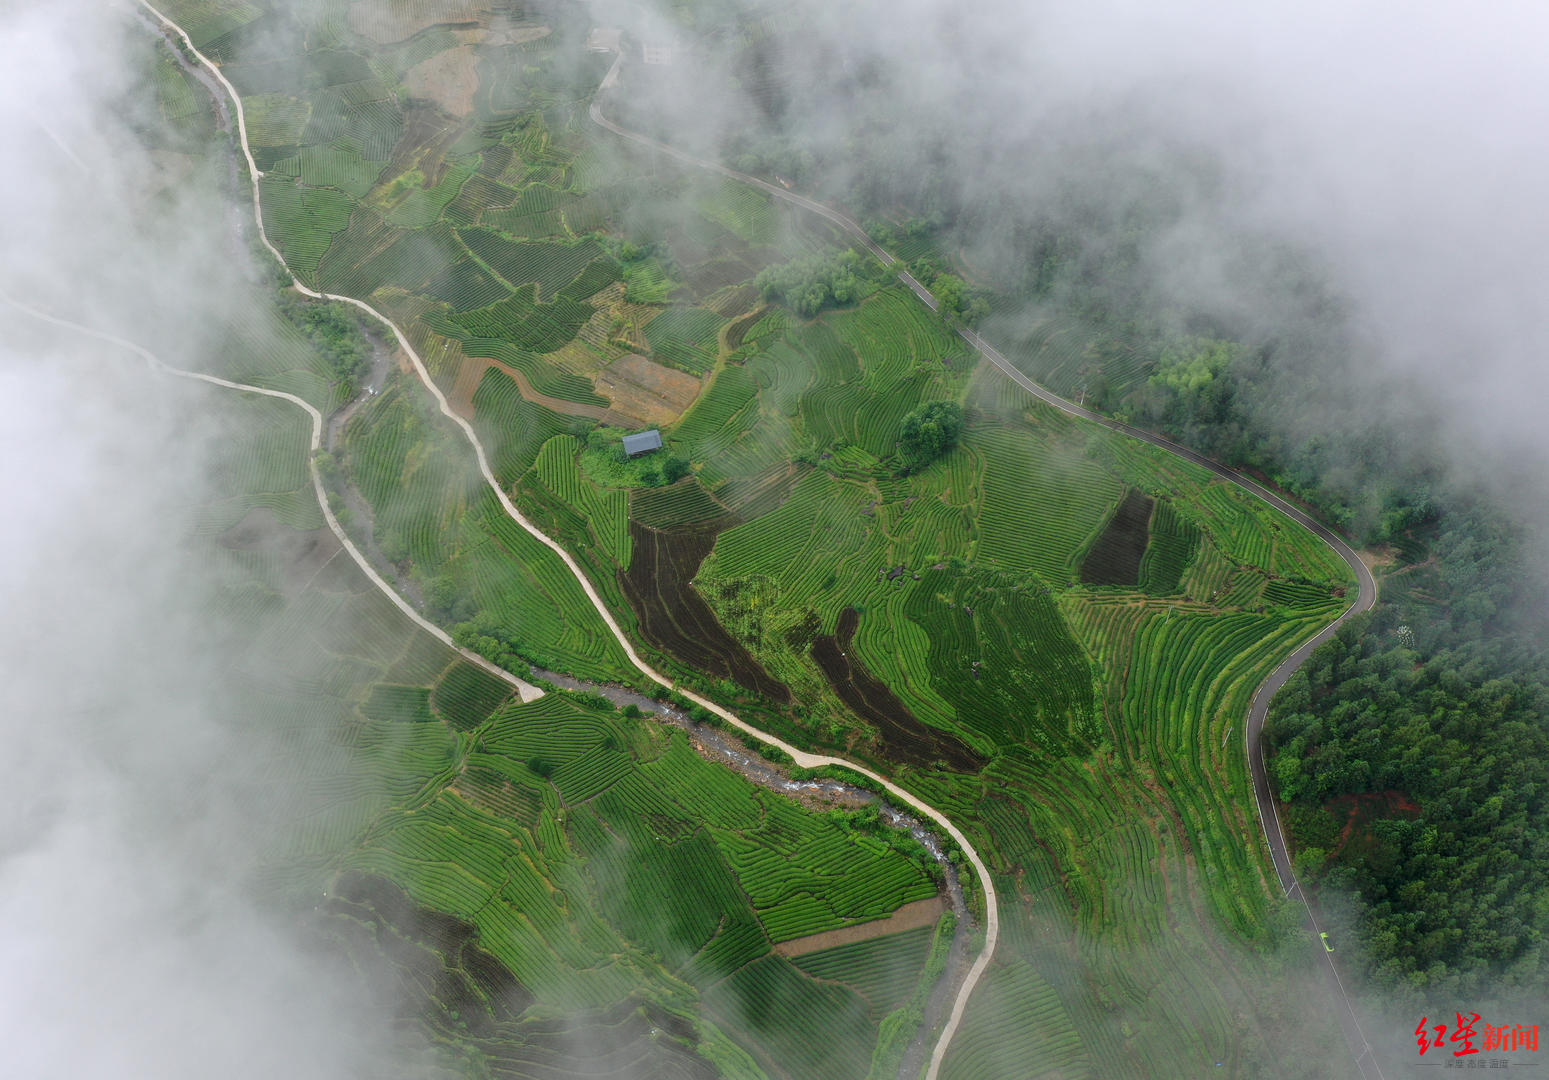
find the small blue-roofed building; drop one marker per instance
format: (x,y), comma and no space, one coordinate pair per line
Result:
(643,443)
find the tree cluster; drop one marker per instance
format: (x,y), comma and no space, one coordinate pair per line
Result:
(1458,895)
(927,433)
(809,284)
(1440,695)
(335,332)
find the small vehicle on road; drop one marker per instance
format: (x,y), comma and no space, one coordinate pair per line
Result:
(1326,946)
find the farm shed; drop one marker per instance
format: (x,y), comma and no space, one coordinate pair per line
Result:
(643,443)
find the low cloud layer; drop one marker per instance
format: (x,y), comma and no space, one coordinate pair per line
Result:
(131,934)
(1394,150)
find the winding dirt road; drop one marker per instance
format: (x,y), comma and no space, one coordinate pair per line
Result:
(1269,816)
(802,758)
(524,689)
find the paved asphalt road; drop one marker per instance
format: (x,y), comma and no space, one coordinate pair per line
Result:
(1274,834)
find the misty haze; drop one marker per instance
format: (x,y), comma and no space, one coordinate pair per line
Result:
(773,541)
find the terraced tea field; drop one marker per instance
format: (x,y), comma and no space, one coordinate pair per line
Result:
(532,861)
(1052,632)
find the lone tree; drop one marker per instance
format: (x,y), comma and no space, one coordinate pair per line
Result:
(928,432)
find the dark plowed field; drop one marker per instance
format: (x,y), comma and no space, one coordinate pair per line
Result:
(675,619)
(1114,559)
(905,737)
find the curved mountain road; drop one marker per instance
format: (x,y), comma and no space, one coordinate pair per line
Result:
(1269,816)
(524,689)
(802,758)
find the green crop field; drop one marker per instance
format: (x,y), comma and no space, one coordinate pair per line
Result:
(1082,726)
(549,860)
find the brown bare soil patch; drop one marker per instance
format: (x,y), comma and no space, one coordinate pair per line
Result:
(904,736)
(448,79)
(302,554)
(1114,558)
(387,21)
(675,618)
(1380,557)
(647,391)
(911,916)
(1363,808)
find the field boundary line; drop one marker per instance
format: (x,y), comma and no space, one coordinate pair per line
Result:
(526,690)
(1366,596)
(802,758)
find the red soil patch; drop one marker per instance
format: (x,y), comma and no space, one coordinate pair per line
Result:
(1368,806)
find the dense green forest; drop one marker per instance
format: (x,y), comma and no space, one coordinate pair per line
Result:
(1433,708)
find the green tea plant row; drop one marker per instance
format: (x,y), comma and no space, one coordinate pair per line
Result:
(606,510)
(466,695)
(892,332)
(176,97)
(818,532)
(424,205)
(1174,541)
(264,349)
(402,704)
(1019,1029)
(535,599)
(783,1007)
(684,338)
(302,222)
(1002,654)
(337,164)
(724,411)
(883,970)
(479,193)
(276,119)
(1210,574)
(681,504)
(522,323)
(271,458)
(816,879)
(1042,502)
(466,285)
(551,266)
(546,376)
(206,20)
(742,210)
(598,275)
(1190,676)
(512,428)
